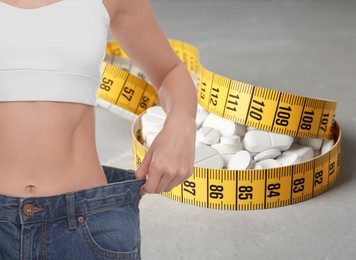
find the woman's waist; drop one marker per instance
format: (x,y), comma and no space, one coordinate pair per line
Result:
(52,141)
(40,174)
(47,148)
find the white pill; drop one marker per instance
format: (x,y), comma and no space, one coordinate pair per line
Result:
(230,139)
(197,142)
(312,142)
(267,154)
(226,158)
(240,130)
(226,127)
(152,122)
(257,166)
(305,152)
(208,135)
(327,145)
(227,148)
(270,163)
(240,161)
(207,157)
(145,132)
(258,141)
(201,116)
(280,141)
(289,159)
(157,111)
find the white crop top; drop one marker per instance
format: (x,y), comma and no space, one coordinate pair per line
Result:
(54,52)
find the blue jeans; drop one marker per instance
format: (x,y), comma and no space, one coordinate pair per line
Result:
(96,223)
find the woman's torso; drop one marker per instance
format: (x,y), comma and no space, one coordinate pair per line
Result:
(47,147)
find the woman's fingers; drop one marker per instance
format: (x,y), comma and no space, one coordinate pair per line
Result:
(170,158)
(142,171)
(163,173)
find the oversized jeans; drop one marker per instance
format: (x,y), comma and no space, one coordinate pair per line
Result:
(96,223)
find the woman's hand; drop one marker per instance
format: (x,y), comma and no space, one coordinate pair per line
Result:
(169,160)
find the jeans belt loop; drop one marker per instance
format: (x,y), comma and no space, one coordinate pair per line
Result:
(72,223)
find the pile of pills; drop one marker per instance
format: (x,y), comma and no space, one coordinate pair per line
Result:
(223,144)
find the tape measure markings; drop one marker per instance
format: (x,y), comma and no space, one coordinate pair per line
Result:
(301,180)
(238,94)
(327,117)
(205,74)
(246,104)
(215,93)
(122,89)
(321,174)
(286,104)
(257,189)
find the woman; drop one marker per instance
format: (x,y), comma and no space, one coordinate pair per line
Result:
(57,201)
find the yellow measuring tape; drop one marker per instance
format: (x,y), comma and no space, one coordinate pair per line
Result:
(245,104)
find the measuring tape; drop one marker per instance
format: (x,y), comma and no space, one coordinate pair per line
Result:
(242,103)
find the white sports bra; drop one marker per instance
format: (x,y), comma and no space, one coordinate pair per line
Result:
(54,52)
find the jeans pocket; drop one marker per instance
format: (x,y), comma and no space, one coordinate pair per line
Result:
(113,233)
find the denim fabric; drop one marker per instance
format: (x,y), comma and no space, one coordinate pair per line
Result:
(96,223)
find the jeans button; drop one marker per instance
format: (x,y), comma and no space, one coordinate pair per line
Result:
(28,210)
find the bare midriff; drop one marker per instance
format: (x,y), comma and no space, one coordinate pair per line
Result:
(47,148)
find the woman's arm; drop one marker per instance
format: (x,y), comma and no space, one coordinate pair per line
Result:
(170,158)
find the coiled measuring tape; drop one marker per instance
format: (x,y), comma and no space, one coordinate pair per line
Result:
(242,103)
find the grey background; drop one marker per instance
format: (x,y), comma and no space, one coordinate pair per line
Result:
(301,47)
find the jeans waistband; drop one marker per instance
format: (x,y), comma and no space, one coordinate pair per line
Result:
(122,188)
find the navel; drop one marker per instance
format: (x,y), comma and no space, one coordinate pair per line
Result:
(31,189)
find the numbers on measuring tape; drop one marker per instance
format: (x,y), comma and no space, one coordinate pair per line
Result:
(216,192)
(283,116)
(106,84)
(245,192)
(138,161)
(202,90)
(318,178)
(324,122)
(273,190)
(232,102)
(214,96)
(298,185)
(332,168)
(144,102)
(128,93)
(307,120)
(256,110)
(189,186)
